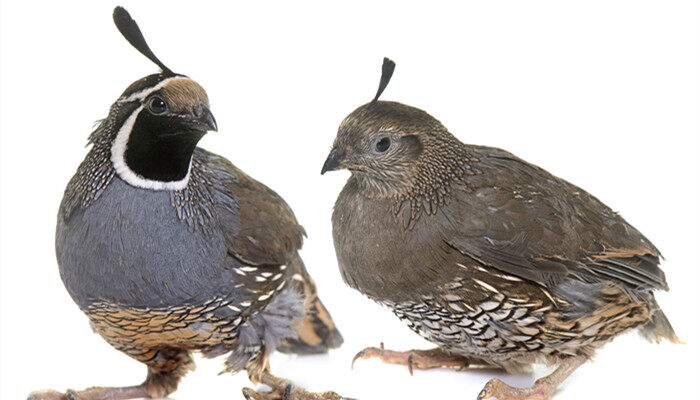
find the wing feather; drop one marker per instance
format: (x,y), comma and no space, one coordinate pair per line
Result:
(524,221)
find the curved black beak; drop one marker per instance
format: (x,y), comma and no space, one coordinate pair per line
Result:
(332,162)
(203,119)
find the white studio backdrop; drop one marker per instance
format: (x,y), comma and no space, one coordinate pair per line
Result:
(605,94)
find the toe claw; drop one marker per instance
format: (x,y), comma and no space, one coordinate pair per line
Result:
(367,352)
(360,354)
(487,391)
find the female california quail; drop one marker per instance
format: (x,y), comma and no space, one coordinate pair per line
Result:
(170,249)
(491,258)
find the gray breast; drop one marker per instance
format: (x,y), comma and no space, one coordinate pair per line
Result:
(130,248)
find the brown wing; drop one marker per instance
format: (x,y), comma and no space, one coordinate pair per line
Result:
(260,233)
(263,232)
(518,218)
(260,227)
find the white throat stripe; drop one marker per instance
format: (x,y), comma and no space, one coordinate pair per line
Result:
(126,173)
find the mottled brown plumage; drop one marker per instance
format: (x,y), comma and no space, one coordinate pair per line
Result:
(486,255)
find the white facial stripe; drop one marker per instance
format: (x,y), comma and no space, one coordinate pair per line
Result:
(144,93)
(126,173)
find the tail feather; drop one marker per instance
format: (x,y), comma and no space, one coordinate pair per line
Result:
(658,328)
(316,333)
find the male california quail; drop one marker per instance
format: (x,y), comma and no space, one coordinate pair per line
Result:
(493,259)
(170,249)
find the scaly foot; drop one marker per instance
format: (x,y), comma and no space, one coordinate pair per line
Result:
(543,389)
(94,393)
(282,389)
(419,359)
(496,389)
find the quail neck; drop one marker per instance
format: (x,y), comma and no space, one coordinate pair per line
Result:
(163,117)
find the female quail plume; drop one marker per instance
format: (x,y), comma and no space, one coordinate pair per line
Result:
(170,249)
(493,259)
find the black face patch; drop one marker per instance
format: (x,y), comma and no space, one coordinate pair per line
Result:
(160,147)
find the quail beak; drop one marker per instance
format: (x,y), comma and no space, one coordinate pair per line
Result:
(332,162)
(203,120)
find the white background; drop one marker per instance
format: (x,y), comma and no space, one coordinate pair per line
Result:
(603,93)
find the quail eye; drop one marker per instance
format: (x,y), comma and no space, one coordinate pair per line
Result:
(382,145)
(157,105)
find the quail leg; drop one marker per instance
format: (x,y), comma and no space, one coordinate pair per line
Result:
(419,359)
(543,389)
(94,393)
(282,389)
(158,384)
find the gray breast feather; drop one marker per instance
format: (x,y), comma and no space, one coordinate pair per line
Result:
(129,247)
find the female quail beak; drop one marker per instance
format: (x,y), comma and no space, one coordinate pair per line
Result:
(332,162)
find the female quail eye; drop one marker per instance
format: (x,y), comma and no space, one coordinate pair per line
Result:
(157,105)
(382,145)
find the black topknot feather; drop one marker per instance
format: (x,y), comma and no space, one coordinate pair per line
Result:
(131,32)
(387,70)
